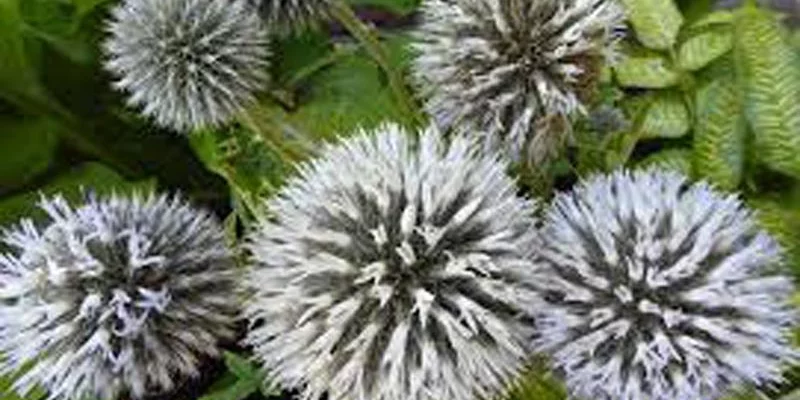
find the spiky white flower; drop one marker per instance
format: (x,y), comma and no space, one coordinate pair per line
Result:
(187,63)
(394,270)
(292,15)
(513,71)
(119,295)
(660,289)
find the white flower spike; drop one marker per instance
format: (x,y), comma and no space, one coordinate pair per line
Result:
(394,269)
(119,295)
(513,71)
(660,289)
(187,64)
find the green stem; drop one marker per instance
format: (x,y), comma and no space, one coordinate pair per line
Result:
(369,40)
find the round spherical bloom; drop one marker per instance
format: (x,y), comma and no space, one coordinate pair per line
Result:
(119,295)
(292,15)
(660,289)
(513,71)
(187,63)
(394,269)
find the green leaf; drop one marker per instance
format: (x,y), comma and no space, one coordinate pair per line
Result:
(645,69)
(666,117)
(236,390)
(771,79)
(720,17)
(679,160)
(721,132)
(87,176)
(536,383)
(54,22)
(243,380)
(253,167)
(84,7)
(656,22)
(699,50)
(18,81)
(28,145)
(240,367)
(780,216)
(350,94)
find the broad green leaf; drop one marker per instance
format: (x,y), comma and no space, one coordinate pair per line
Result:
(18,81)
(656,22)
(348,95)
(704,47)
(679,160)
(771,80)
(721,17)
(720,133)
(28,147)
(666,117)
(53,21)
(644,69)
(89,176)
(693,10)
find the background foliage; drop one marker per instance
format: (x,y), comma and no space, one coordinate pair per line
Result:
(712,93)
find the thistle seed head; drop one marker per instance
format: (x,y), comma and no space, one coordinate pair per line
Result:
(394,270)
(187,63)
(513,71)
(660,289)
(119,295)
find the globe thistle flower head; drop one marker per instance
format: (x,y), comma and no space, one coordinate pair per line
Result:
(119,295)
(187,63)
(513,71)
(393,270)
(660,289)
(287,16)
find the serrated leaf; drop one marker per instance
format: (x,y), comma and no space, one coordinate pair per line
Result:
(771,79)
(666,117)
(720,134)
(656,22)
(702,48)
(643,69)
(28,146)
(679,160)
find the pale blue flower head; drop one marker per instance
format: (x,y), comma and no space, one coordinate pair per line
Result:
(117,296)
(658,288)
(394,269)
